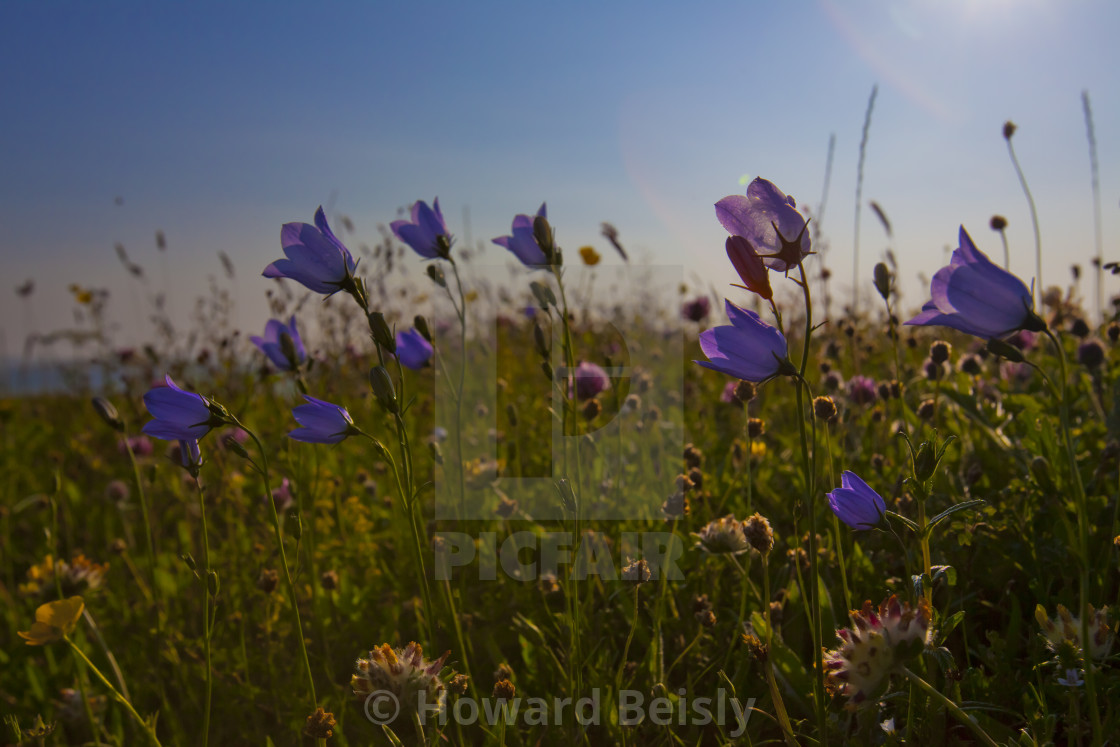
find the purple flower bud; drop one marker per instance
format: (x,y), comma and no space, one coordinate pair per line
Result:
(321,422)
(523,242)
(413,350)
(696,310)
(855,503)
(426,233)
(862,390)
(286,355)
(590,379)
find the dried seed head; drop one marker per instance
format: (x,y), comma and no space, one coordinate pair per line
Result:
(759,534)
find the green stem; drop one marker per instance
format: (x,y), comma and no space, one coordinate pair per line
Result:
(951,707)
(120,698)
(808,460)
(150,544)
(1034,222)
(284,563)
(629,640)
(205,576)
(417,548)
(1082,505)
(923,541)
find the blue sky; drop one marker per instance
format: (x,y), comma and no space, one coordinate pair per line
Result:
(218,122)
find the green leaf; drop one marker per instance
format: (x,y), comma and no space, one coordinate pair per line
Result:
(952,510)
(948,572)
(948,625)
(899,517)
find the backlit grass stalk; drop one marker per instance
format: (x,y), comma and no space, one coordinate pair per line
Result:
(1095,179)
(859,197)
(113,691)
(263,470)
(951,707)
(1082,506)
(809,466)
(148,541)
(206,629)
(1008,131)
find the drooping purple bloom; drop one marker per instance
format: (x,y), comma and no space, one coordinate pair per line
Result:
(179,415)
(590,380)
(747,349)
(697,309)
(755,215)
(190,456)
(287,356)
(862,390)
(977,297)
(855,503)
(315,257)
(523,243)
(413,350)
(424,231)
(321,422)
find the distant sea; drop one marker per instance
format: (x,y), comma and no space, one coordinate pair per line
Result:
(28,378)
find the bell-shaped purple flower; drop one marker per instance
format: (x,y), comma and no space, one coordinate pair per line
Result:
(315,257)
(413,350)
(768,219)
(282,345)
(748,349)
(855,503)
(977,297)
(590,380)
(321,422)
(523,243)
(423,233)
(179,415)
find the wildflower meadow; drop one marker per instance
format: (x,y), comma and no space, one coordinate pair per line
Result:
(556,500)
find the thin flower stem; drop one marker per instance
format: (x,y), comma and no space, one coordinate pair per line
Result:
(771,682)
(149,544)
(409,507)
(284,563)
(951,707)
(808,459)
(1034,221)
(629,640)
(462,311)
(923,541)
(836,524)
(205,577)
(112,690)
(659,606)
(1082,505)
(569,418)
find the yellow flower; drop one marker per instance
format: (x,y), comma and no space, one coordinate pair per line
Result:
(53,620)
(470,296)
(589,256)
